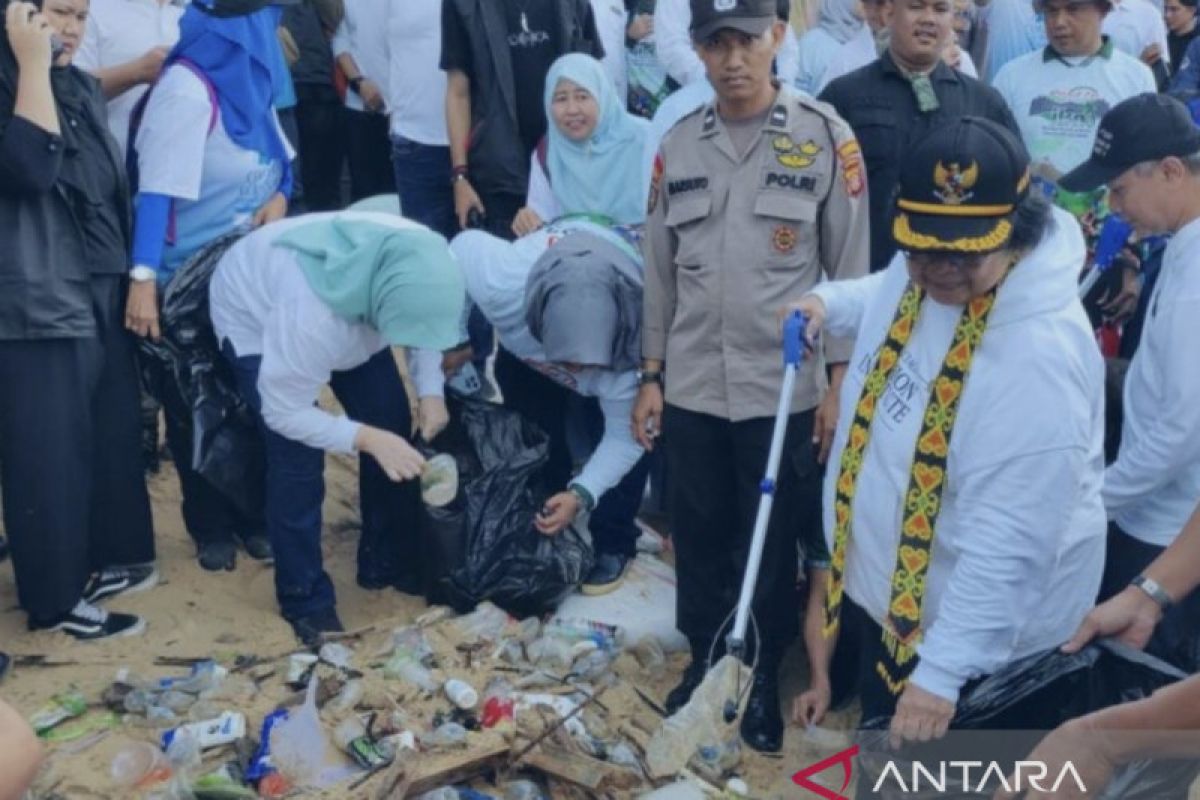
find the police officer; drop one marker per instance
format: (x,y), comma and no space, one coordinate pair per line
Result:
(755,197)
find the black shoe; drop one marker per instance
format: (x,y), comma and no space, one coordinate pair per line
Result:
(607,574)
(217,556)
(762,722)
(258,547)
(5,663)
(308,629)
(120,580)
(86,622)
(3,548)
(692,677)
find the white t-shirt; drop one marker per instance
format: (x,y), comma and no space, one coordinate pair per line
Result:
(1058,102)
(218,185)
(1153,486)
(261,302)
(363,34)
(673,41)
(610,24)
(1134,25)
(120,31)
(416,87)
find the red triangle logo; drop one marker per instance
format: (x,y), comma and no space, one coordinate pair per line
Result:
(845,758)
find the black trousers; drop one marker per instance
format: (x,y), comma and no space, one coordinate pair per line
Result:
(70,463)
(716,469)
(548,405)
(370,155)
(1176,639)
(500,211)
(320,122)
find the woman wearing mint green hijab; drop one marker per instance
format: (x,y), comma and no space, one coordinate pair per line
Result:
(591,159)
(323,299)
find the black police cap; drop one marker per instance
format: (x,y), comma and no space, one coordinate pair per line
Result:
(753,17)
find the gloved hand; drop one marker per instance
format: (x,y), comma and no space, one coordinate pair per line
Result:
(432,416)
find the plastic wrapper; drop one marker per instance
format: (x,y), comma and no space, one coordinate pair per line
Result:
(1003,717)
(227,445)
(483,544)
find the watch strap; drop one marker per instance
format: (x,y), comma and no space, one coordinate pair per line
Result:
(1155,590)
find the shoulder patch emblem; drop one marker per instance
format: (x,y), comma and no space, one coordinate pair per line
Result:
(655,183)
(850,158)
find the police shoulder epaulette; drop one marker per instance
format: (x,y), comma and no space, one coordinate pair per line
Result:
(705,114)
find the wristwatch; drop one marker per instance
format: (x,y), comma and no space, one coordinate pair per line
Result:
(585,497)
(650,376)
(1156,592)
(142,273)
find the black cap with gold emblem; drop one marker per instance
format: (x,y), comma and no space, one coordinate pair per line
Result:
(959,188)
(748,16)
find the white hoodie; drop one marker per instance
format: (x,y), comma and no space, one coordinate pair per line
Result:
(1019,545)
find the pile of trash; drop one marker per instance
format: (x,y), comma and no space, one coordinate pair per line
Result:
(475,706)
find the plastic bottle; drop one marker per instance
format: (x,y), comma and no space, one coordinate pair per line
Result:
(403,666)
(450,734)
(139,765)
(523,790)
(498,703)
(336,654)
(649,654)
(439,480)
(299,665)
(551,651)
(485,623)
(622,755)
(347,698)
(61,707)
(351,736)
(461,694)
(572,629)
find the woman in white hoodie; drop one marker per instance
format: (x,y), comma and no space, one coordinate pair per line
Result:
(964,517)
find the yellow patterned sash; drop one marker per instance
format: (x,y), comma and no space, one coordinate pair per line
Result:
(922,500)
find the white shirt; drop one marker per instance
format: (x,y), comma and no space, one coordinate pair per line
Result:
(495,273)
(260,300)
(363,34)
(218,184)
(1058,102)
(673,41)
(611,19)
(1154,485)
(1019,543)
(1134,25)
(416,96)
(120,31)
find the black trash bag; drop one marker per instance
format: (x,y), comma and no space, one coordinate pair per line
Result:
(483,545)
(227,449)
(1003,717)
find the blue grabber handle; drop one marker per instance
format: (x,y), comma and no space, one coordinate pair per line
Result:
(793,339)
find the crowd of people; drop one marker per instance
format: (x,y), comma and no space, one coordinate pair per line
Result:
(984,208)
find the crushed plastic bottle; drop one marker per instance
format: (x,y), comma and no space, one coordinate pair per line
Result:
(551,652)
(485,624)
(449,734)
(138,765)
(498,703)
(404,667)
(336,654)
(523,790)
(61,708)
(593,666)
(439,480)
(572,629)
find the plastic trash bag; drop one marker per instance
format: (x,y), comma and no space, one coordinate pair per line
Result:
(1003,717)
(227,447)
(483,545)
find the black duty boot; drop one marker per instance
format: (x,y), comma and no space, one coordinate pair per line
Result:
(762,722)
(692,677)
(310,628)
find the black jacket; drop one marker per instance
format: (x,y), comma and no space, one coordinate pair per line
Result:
(499,163)
(44,277)
(878,102)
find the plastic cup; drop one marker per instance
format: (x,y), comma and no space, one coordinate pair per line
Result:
(140,764)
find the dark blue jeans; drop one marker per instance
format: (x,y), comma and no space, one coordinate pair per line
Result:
(427,197)
(388,551)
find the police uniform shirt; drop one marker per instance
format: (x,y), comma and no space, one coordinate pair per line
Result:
(731,237)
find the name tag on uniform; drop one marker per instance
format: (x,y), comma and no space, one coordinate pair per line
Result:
(686,185)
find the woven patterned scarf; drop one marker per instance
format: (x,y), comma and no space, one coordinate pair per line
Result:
(927,479)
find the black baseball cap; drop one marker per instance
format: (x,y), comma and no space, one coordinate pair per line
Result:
(753,17)
(959,188)
(1146,127)
(238,8)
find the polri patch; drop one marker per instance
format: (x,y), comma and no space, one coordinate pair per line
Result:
(784,180)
